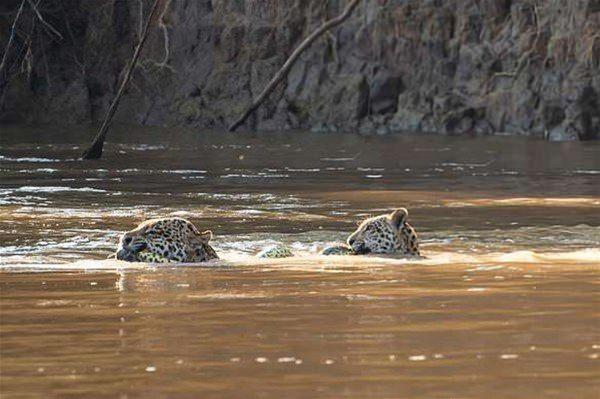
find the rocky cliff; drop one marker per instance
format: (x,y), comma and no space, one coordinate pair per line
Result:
(445,66)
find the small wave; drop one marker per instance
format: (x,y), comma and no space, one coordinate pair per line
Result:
(143,147)
(224,295)
(184,171)
(360,169)
(39,170)
(258,197)
(15,196)
(28,159)
(588,255)
(256,176)
(341,159)
(470,165)
(232,146)
(443,261)
(312,170)
(27,200)
(443,149)
(525,201)
(587,172)
(244,212)
(575,259)
(172,171)
(55,189)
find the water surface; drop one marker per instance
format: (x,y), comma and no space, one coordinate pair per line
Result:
(504,306)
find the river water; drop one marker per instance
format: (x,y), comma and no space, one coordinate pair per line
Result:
(505,305)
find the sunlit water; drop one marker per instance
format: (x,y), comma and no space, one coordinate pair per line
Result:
(505,305)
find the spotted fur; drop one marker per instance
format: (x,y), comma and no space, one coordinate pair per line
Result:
(282,251)
(177,240)
(337,250)
(275,252)
(385,234)
(167,239)
(151,257)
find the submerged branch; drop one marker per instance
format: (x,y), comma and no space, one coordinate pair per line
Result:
(95,149)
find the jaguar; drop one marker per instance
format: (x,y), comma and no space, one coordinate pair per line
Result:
(178,240)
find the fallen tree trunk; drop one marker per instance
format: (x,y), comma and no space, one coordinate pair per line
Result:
(95,149)
(282,73)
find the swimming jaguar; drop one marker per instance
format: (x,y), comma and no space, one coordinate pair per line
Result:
(166,240)
(386,234)
(178,240)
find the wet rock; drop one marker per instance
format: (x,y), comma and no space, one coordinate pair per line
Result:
(323,128)
(458,121)
(593,7)
(407,120)
(261,42)
(347,100)
(295,79)
(383,130)
(73,103)
(483,128)
(367,127)
(589,114)
(384,93)
(497,111)
(553,115)
(231,42)
(562,132)
(375,124)
(511,111)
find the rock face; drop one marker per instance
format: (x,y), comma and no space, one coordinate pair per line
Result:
(452,67)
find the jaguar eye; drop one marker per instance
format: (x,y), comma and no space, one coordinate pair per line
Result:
(127,240)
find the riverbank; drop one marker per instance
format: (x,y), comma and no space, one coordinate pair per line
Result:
(461,68)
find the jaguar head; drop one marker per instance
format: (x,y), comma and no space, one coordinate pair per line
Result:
(380,234)
(175,239)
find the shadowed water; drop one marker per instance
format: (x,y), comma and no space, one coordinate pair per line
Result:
(504,306)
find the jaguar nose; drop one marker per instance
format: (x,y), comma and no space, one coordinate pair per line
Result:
(125,255)
(360,249)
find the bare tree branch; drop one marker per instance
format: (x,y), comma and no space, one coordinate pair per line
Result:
(163,26)
(141,28)
(8,46)
(282,73)
(43,21)
(95,150)
(167,41)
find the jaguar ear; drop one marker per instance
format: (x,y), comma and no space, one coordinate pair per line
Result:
(206,236)
(399,216)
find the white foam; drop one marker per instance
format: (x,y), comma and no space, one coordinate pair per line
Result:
(27,159)
(581,259)
(56,189)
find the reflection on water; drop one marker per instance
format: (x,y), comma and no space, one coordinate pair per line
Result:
(503,306)
(270,332)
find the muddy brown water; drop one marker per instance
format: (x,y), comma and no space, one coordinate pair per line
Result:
(505,305)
